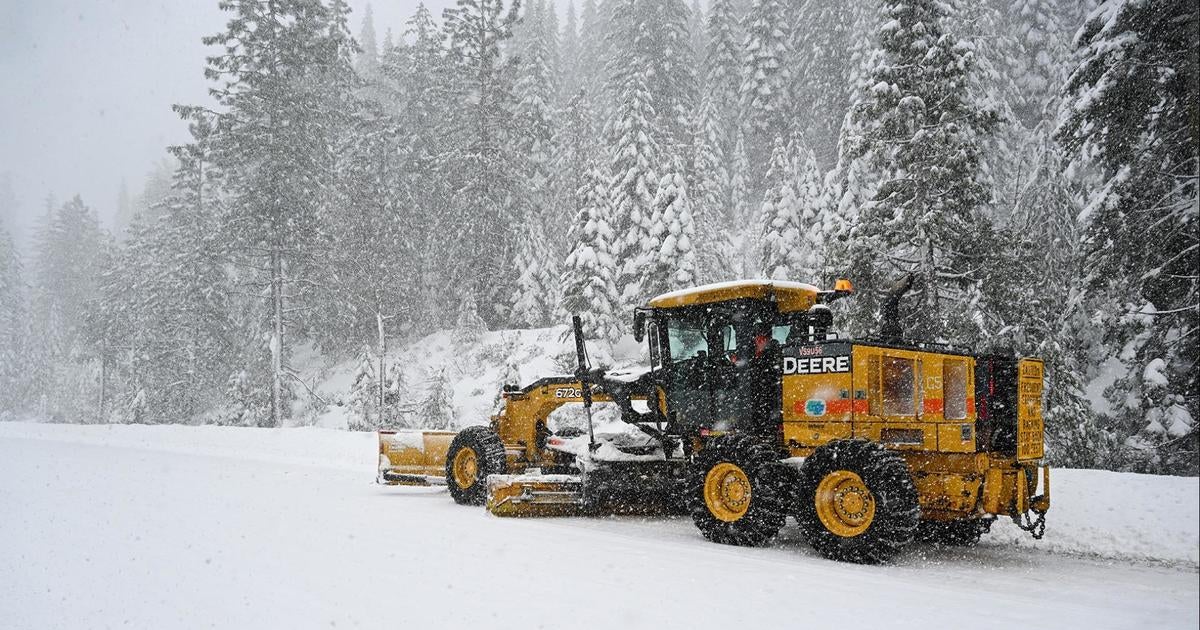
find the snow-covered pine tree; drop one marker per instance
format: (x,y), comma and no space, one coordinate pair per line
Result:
(576,147)
(569,51)
(485,216)
(587,280)
(68,249)
(919,131)
(161,323)
(652,36)
(594,49)
(794,236)
(825,34)
(536,90)
(780,214)
(537,285)
(635,153)
(13,333)
(668,256)
(723,68)
(766,83)
(425,84)
(707,181)
(278,79)
(1043,33)
(366,62)
(365,389)
(1130,107)
(695,27)
(468,325)
(436,407)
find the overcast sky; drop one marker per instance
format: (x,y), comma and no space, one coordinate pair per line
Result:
(86,89)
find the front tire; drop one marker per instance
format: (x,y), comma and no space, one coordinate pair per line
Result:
(475,453)
(735,491)
(857,502)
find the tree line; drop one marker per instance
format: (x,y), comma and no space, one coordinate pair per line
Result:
(1032,165)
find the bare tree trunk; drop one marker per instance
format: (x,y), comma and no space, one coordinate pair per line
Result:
(277,338)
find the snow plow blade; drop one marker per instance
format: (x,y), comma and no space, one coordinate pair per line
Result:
(535,495)
(413,458)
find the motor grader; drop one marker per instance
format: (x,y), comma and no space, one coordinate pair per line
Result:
(752,409)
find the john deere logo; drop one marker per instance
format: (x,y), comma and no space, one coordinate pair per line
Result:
(814,407)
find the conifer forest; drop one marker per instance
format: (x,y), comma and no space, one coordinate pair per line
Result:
(1031,165)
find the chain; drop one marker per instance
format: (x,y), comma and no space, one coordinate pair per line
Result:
(1035,526)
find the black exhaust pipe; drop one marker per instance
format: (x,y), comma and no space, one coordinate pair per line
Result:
(890,329)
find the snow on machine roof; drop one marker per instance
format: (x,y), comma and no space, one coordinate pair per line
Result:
(790,296)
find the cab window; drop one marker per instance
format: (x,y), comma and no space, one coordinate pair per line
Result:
(685,339)
(954,389)
(899,387)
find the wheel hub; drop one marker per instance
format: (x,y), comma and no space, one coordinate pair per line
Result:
(727,492)
(844,504)
(466,467)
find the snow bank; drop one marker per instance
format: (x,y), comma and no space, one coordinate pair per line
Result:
(1104,514)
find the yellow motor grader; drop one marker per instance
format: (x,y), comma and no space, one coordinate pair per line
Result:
(751,409)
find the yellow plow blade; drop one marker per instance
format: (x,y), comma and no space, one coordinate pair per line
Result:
(413,458)
(535,495)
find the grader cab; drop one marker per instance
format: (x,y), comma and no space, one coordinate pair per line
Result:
(752,409)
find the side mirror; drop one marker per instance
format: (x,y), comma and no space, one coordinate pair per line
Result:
(639,325)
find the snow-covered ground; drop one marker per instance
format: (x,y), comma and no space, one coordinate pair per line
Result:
(180,527)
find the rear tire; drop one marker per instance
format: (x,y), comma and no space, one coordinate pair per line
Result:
(736,491)
(475,453)
(857,502)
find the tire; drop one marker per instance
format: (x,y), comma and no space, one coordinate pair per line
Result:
(960,533)
(735,491)
(475,453)
(857,502)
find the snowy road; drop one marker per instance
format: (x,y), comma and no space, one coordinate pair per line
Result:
(107,535)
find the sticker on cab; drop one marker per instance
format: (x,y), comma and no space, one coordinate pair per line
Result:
(814,407)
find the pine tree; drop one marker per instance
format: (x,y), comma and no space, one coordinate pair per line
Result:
(767,78)
(919,133)
(825,37)
(668,256)
(161,324)
(695,27)
(593,55)
(68,251)
(280,74)
(780,216)
(794,218)
(650,38)
(1137,123)
(570,51)
(635,156)
(537,285)
(468,326)
(366,63)
(436,408)
(426,82)
(588,283)
(487,191)
(1043,34)
(13,334)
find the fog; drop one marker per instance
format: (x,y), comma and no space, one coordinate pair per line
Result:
(87,89)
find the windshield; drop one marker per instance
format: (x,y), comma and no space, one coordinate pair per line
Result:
(685,339)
